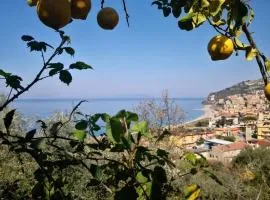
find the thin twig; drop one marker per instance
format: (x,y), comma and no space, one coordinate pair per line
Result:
(125,9)
(9,93)
(43,58)
(102,3)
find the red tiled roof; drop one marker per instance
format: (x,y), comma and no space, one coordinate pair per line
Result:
(232,147)
(264,143)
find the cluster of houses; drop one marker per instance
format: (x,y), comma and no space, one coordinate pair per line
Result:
(240,122)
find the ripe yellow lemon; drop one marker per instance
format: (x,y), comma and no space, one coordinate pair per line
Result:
(108,18)
(32,2)
(80,9)
(54,13)
(267,91)
(220,47)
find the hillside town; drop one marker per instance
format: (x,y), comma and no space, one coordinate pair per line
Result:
(236,122)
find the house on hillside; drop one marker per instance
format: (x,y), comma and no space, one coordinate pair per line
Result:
(225,153)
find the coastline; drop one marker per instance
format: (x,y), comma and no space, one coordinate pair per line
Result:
(208,113)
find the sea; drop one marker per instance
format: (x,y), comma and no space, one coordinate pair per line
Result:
(45,108)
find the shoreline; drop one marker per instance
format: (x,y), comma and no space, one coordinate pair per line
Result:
(208,113)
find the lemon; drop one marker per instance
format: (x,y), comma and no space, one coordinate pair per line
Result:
(80,9)
(54,13)
(220,47)
(107,18)
(267,91)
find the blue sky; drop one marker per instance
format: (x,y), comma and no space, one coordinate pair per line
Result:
(140,61)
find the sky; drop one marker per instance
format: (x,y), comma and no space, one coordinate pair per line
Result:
(142,60)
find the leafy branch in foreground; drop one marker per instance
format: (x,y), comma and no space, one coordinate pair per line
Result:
(14,82)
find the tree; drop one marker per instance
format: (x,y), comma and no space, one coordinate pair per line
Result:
(160,113)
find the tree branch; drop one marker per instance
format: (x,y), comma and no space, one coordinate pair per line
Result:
(37,78)
(258,59)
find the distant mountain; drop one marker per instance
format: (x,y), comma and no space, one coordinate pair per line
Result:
(242,88)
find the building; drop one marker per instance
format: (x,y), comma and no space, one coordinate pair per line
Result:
(225,153)
(263,125)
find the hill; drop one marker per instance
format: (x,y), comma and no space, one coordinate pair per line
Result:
(242,88)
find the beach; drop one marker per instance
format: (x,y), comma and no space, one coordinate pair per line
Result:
(208,113)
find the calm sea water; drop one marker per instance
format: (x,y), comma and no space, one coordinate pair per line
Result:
(44,108)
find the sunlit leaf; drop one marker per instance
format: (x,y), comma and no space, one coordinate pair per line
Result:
(79,135)
(141,178)
(251,53)
(215,6)
(186,22)
(191,157)
(141,127)
(267,65)
(189,189)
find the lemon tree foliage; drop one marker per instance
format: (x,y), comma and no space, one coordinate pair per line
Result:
(230,18)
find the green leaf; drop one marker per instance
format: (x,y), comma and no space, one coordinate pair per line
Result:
(188,190)
(162,153)
(159,175)
(166,11)
(239,13)
(198,19)
(141,178)
(141,127)
(65,77)
(69,50)
(195,195)
(158,3)
(267,65)
(8,118)
(205,3)
(14,81)
(251,15)
(177,11)
(80,66)
(186,22)
(29,135)
(147,187)
(55,68)
(220,22)
(95,171)
(132,116)
(114,130)
(215,6)
(127,192)
(121,114)
(4,74)
(27,38)
(239,43)
(81,125)
(79,135)
(251,53)
(38,46)
(191,157)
